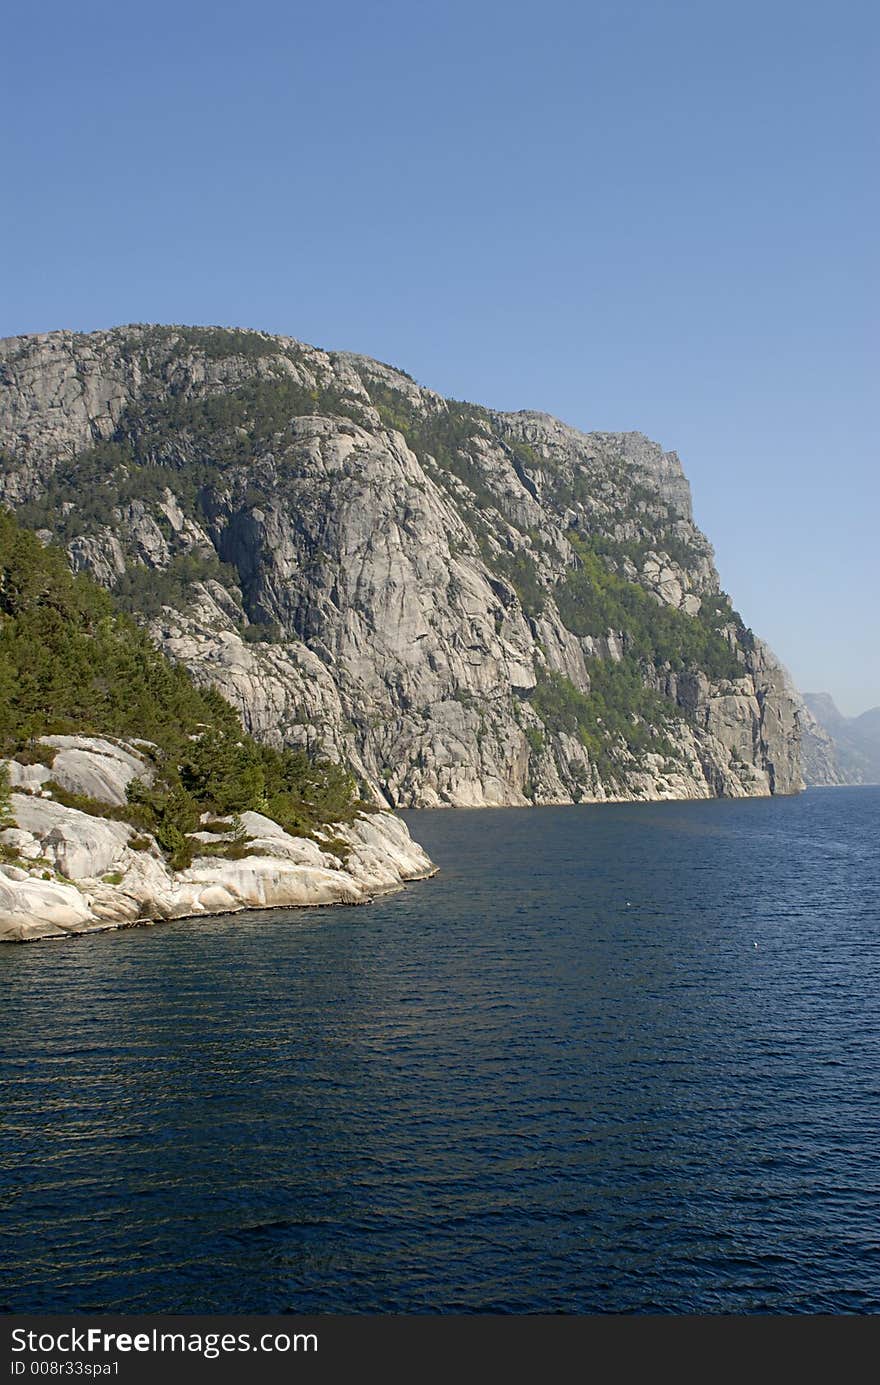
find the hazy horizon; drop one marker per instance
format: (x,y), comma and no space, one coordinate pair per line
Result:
(631,217)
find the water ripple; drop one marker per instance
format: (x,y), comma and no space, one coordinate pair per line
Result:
(560,1077)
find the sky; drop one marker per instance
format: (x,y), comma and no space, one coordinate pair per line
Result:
(639,214)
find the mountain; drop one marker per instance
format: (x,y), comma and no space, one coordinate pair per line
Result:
(867,725)
(466,607)
(850,746)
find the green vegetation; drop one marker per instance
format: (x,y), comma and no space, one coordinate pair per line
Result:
(662,539)
(83,492)
(5,811)
(593,600)
(262,632)
(230,426)
(572,488)
(535,739)
(520,571)
(36,754)
(446,435)
(618,709)
(443,435)
(83,803)
(524,455)
(145,590)
(216,343)
(71,663)
(175,441)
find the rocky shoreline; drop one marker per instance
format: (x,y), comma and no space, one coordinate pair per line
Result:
(64,871)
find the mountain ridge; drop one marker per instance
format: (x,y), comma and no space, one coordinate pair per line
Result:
(467,606)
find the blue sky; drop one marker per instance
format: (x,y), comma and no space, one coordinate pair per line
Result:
(638,214)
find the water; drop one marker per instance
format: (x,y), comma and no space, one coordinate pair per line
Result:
(558,1077)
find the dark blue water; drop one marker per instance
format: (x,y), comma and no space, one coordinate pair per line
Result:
(558,1077)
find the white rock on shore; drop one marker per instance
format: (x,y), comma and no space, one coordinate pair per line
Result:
(77,872)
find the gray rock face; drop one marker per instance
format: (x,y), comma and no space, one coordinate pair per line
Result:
(96,768)
(394,564)
(76,845)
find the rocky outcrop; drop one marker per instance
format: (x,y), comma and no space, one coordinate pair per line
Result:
(96,768)
(65,871)
(368,570)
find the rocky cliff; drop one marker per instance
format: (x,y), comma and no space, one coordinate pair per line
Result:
(839,749)
(468,607)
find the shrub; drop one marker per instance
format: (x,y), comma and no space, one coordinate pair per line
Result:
(535,739)
(34,753)
(5,802)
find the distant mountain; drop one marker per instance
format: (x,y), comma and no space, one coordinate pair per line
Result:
(839,749)
(868,724)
